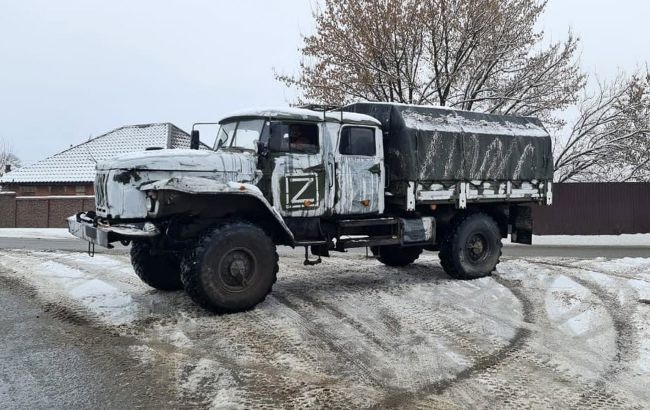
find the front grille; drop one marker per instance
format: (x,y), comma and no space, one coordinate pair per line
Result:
(100,190)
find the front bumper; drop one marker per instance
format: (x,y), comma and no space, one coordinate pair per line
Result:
(86,228)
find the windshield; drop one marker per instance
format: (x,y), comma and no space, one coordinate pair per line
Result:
(239,134)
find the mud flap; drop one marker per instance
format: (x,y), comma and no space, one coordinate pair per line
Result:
(522,225)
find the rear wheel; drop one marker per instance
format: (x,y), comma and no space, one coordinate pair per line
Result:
(158,270)
(393,255)
(472,248)
(231,268)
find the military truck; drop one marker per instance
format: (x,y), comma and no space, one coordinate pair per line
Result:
(397,179)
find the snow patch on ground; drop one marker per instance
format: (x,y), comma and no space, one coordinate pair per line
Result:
(623,265)
(96,295)
(588,240)
(642,287)
(57,282)
(208,372)
(143,353)
(644,359)
(36,233)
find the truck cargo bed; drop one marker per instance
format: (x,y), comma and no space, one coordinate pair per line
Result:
(436,154)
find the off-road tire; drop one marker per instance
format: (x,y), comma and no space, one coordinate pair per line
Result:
(458,251)
(231,268)
(397,256)
(159,270)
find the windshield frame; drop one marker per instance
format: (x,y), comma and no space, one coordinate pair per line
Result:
(228,143)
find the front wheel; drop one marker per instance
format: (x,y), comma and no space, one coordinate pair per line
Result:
(397,256)
(472,248)
(159,270)
(231,268)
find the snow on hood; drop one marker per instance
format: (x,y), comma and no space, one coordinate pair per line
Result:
(182,160)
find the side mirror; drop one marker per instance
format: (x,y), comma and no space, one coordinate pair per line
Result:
(194,139)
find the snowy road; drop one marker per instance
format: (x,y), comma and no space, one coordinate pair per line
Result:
(352,333)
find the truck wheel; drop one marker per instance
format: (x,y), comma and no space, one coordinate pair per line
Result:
(393,255)
(231,268)
(160,271)
(473,247)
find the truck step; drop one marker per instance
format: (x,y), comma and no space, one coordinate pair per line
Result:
(346,243)
(355,223)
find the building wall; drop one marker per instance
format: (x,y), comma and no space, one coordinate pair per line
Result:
(49,190)
(7,209)
(40,212)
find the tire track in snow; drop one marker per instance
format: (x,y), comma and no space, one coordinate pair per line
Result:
(626,341)
(619,312)
(481,363)
(308,322)
(378,350)
(588,269)
(323,297)
(584,393)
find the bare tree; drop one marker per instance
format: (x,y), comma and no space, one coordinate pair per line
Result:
(610,140)
(480,55)
(7,158)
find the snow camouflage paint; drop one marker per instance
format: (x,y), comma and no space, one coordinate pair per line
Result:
(331,183)
(360,180)
(119,183)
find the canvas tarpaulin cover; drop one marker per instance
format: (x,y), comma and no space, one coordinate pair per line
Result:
(435,144)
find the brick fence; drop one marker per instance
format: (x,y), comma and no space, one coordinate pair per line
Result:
(578,209)
(40,212)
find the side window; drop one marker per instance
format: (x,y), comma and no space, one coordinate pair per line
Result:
(358,141)
(299,138)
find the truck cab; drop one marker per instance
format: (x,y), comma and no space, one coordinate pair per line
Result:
(312,165)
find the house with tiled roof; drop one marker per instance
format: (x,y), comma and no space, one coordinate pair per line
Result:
(72,172)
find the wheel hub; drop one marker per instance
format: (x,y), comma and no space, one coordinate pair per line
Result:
(477,247)
(237,269)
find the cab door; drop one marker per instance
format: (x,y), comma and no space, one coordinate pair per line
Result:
(359,171)
(299,173)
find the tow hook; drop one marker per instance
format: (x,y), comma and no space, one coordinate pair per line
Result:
(308,262)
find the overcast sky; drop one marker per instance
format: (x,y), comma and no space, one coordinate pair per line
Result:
(72,69)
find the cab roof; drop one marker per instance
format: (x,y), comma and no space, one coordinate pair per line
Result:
(302,114)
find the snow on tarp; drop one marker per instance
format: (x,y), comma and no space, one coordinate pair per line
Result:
(427,144)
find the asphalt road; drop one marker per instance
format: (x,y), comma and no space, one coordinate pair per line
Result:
(51,358)
(582,252)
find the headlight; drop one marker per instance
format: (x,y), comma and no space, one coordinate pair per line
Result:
(150,202)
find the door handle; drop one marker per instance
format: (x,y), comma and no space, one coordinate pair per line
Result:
(332,171)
